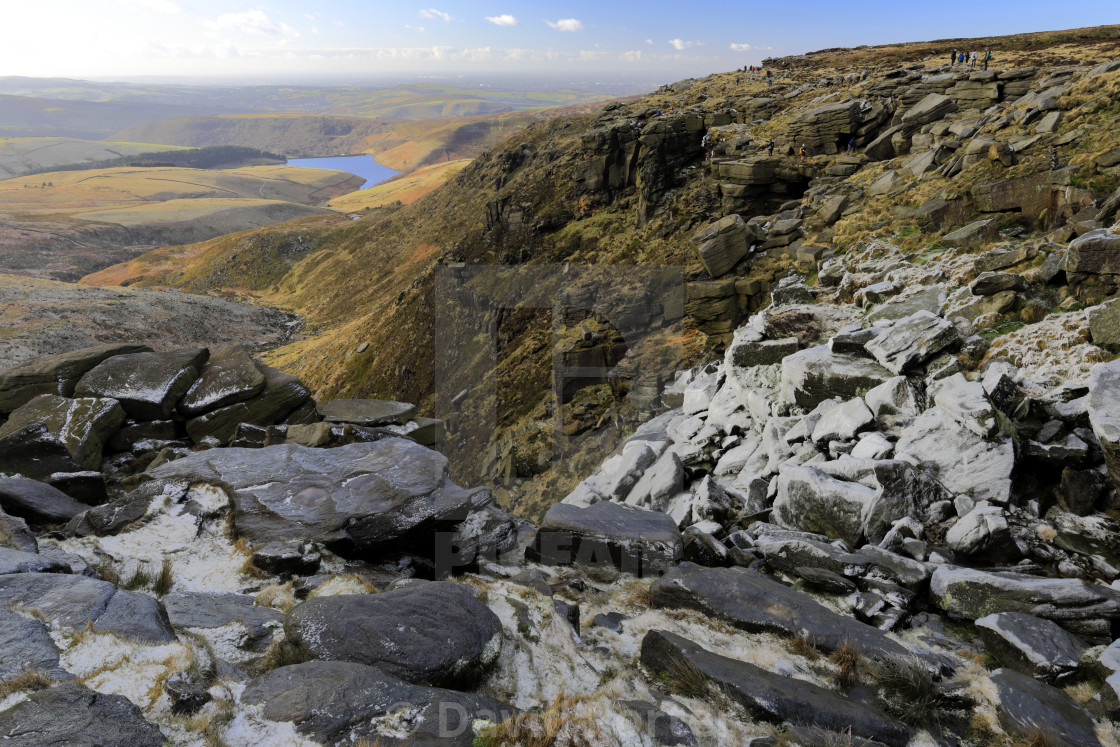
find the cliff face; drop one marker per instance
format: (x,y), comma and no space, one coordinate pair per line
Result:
(898,146)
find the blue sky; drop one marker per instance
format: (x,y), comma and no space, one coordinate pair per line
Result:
(128,38)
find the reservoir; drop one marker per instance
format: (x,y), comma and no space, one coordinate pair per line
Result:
(363,166)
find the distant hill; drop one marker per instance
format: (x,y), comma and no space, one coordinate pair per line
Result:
(92,120)
(398,145)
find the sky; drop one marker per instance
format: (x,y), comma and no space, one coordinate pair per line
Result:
(130,39)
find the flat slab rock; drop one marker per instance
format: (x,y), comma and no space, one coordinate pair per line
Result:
(73,601)
(433,633)
(770,696)
(355,497)
(1027,707)
(217,609)
(26,645)
(755,603)
(974,594)
(36,501)
(69,714)
(368,412)
(54,374)
(631,539)
(17,561)
(282,395)
(146,384)
(336,702)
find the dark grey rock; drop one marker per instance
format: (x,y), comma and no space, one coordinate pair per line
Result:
(282,394)
(286,558)
(611,621)
(83,425)
(912,341)
(34,452)
(792,554)
(337,702)
(1040,648)
(757,604)
(434,633)
(37,502)
(54,374)
(664,728)
(352,498)
(17,561)
(229,376)
(216,609)
(1104,413)
(770,696)
(73,601)
(607,534)
(69,714)
(146,384)
(25,645)
(1027,707)
(747,353)
(187,694)
(114,517)
(15,533)
(991,283)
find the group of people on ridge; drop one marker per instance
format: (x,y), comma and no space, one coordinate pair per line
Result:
(971,59)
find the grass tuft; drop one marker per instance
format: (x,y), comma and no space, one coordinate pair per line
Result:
(28,681)
(165,579)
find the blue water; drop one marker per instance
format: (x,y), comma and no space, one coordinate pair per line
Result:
(363,166)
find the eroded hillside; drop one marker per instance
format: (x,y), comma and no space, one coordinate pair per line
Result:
(1027,147)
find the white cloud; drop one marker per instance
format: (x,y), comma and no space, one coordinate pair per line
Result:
(160,6)
(505,19)
(252,22)
(634,55)
(566,24)
(681,45)
(435,15)
(589,55)
(741,47)
(649,41)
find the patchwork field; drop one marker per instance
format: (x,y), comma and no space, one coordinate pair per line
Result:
(21,154)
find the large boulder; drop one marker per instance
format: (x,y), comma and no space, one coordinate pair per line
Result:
(37,502)
(1028,708)
(911,341)
(632,540)
(1082,608)
(722,244)
(146,384)
(855,500)
(815,374)
(54,374)
(434,633)
(281,395)
(336,702)
(35,452)
(209,610)
(18,561)
(229,376)
(983,533)
(354,498)
(757,604)
(1094,253)
(963,461)
(83,424)
(70,714)
(769,696)
(1029,644)
(72,602)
